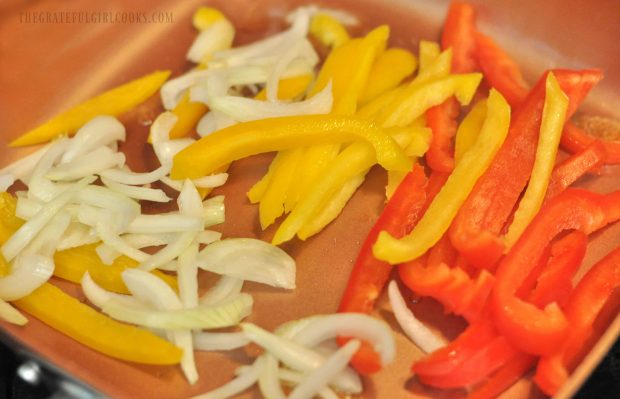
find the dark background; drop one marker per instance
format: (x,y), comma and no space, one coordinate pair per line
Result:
(604,383)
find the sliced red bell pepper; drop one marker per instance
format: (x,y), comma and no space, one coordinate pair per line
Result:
(590,159)
(591,294)
(459,35)
(369,275)
(475,230)
(527,327)
(575,139)
(500,70)
(503,378)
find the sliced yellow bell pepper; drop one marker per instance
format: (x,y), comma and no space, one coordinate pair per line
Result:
(272,203)
(428,53)
(416,99)
(188,114)
(275,134)
(96,330)
(204,17)
(375,107)
(328,30)
(389,69)
(469,129)
(71,264)
(289,88)
(256,193)
(446,204)
(113,102)
(5,267)
(9,223)
(552,124)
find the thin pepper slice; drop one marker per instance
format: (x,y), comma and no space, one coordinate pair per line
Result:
(390,68)
(113,102)
(95,330)
(369,275)
(469,129)
(475,230)
(504,378)
(438,217)
(575,139)
(255,137)
(553,117)
(527,327)
(591,294)
(328,30)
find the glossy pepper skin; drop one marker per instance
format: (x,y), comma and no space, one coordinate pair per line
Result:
(476,230)
(528,328)
(370,275)
(459,35)
(575,139)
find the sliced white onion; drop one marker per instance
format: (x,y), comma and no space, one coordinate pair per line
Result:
(43,189)
(51,156)
(26,208)
(424,338)
(164,223)
(299,357)
(213,211)
(209,123)
(189,200)
(227,287)
(187,276)
(22,168)
(26,233)
(214,341)
(226,314)
(139,193)
(250,259)
(295,378)
(96,133)
(107,234)
(124,209)
(99,296)
(211,181)
(76,235)
(355,325)
(161,127)
(6,181)
(169,252)
(29,272)
(135,179)
(320,378)
(172,91)
(294,47)
(218,36)
(11,315)
(94,162)
(245,109)
(208,236)
(166,150)
(268,381)
(47,240)
(234,387)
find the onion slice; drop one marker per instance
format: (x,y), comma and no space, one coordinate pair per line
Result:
(424,338)
(98,132)
(213,341)
(29,272)
(9,314)
(139,193)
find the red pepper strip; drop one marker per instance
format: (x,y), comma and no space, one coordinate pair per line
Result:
(585,303)
(477,367)
(457,352)
(555,282)
(575,139)
(503,378)
(476,228)
(590,159)
(500,70)
(369,275)
(458,34)
(527,327)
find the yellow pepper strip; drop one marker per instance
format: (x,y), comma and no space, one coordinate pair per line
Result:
(272,204)
(416,99)
(188,114)
(354,161)
(446,204)
(289,88)
(552,124)
(375,107)
(258,190)
(96,330)
(328,30)
(5,267)
(389,69)
(275,134)
(428,53)
(71,264)
(9,223)
(469,129)
(113,102)
(204,17)
(331,211)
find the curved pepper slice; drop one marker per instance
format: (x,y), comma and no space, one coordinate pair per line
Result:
(113,102)
(444,207)
(96,330)
(575,139)
(475,230)
(553,117)
(469,129)
(527,327)
(250,138)
(591,294)
(504,378)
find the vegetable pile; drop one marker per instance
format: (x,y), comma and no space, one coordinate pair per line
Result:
(479,215)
